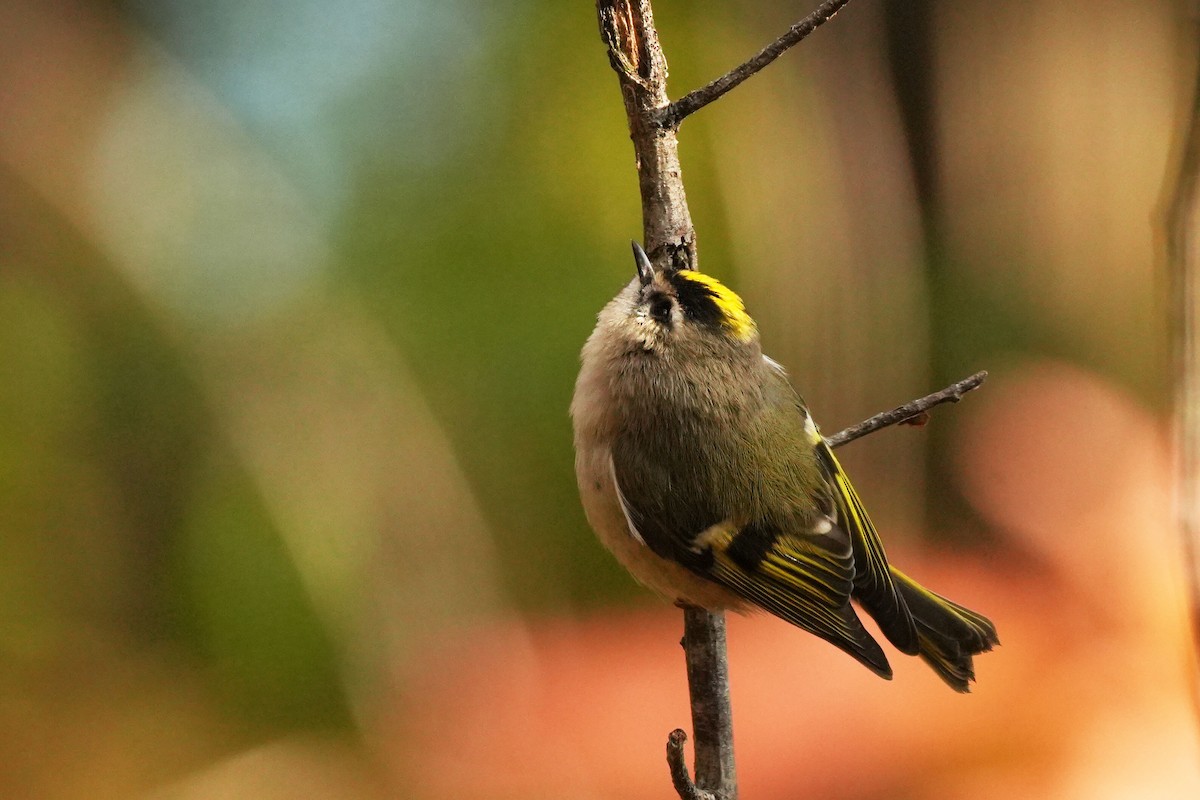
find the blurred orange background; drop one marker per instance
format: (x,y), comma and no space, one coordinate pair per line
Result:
(291,297)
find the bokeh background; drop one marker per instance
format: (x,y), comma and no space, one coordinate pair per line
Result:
(291,297)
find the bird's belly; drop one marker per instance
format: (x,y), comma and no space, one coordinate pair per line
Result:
(669,579)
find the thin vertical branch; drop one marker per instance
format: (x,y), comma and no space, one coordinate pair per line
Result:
(627,28)
(915,410)
(1181,256)
(712,717)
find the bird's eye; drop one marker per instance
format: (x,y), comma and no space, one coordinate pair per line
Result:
(660,309)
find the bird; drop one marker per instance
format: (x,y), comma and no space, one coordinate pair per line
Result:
(701,469)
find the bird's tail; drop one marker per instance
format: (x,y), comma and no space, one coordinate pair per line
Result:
(948,634)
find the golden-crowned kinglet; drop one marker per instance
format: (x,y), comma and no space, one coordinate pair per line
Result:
(700,468)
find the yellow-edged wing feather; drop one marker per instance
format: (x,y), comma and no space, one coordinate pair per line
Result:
(874,587)
(803,577)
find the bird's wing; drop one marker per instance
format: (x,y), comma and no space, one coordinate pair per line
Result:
(874,587)
(801,570)
(802,576)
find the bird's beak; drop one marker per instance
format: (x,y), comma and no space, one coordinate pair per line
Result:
(645,269)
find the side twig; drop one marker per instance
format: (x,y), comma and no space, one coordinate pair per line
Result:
(695,100)
(680,776)
(902,414)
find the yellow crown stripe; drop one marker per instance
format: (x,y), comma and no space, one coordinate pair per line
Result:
(740,324)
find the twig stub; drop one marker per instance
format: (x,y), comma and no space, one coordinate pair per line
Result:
(627,29)
(680,777)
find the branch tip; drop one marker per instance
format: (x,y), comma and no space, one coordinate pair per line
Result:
(915,412)
(697,99)
(680,777)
